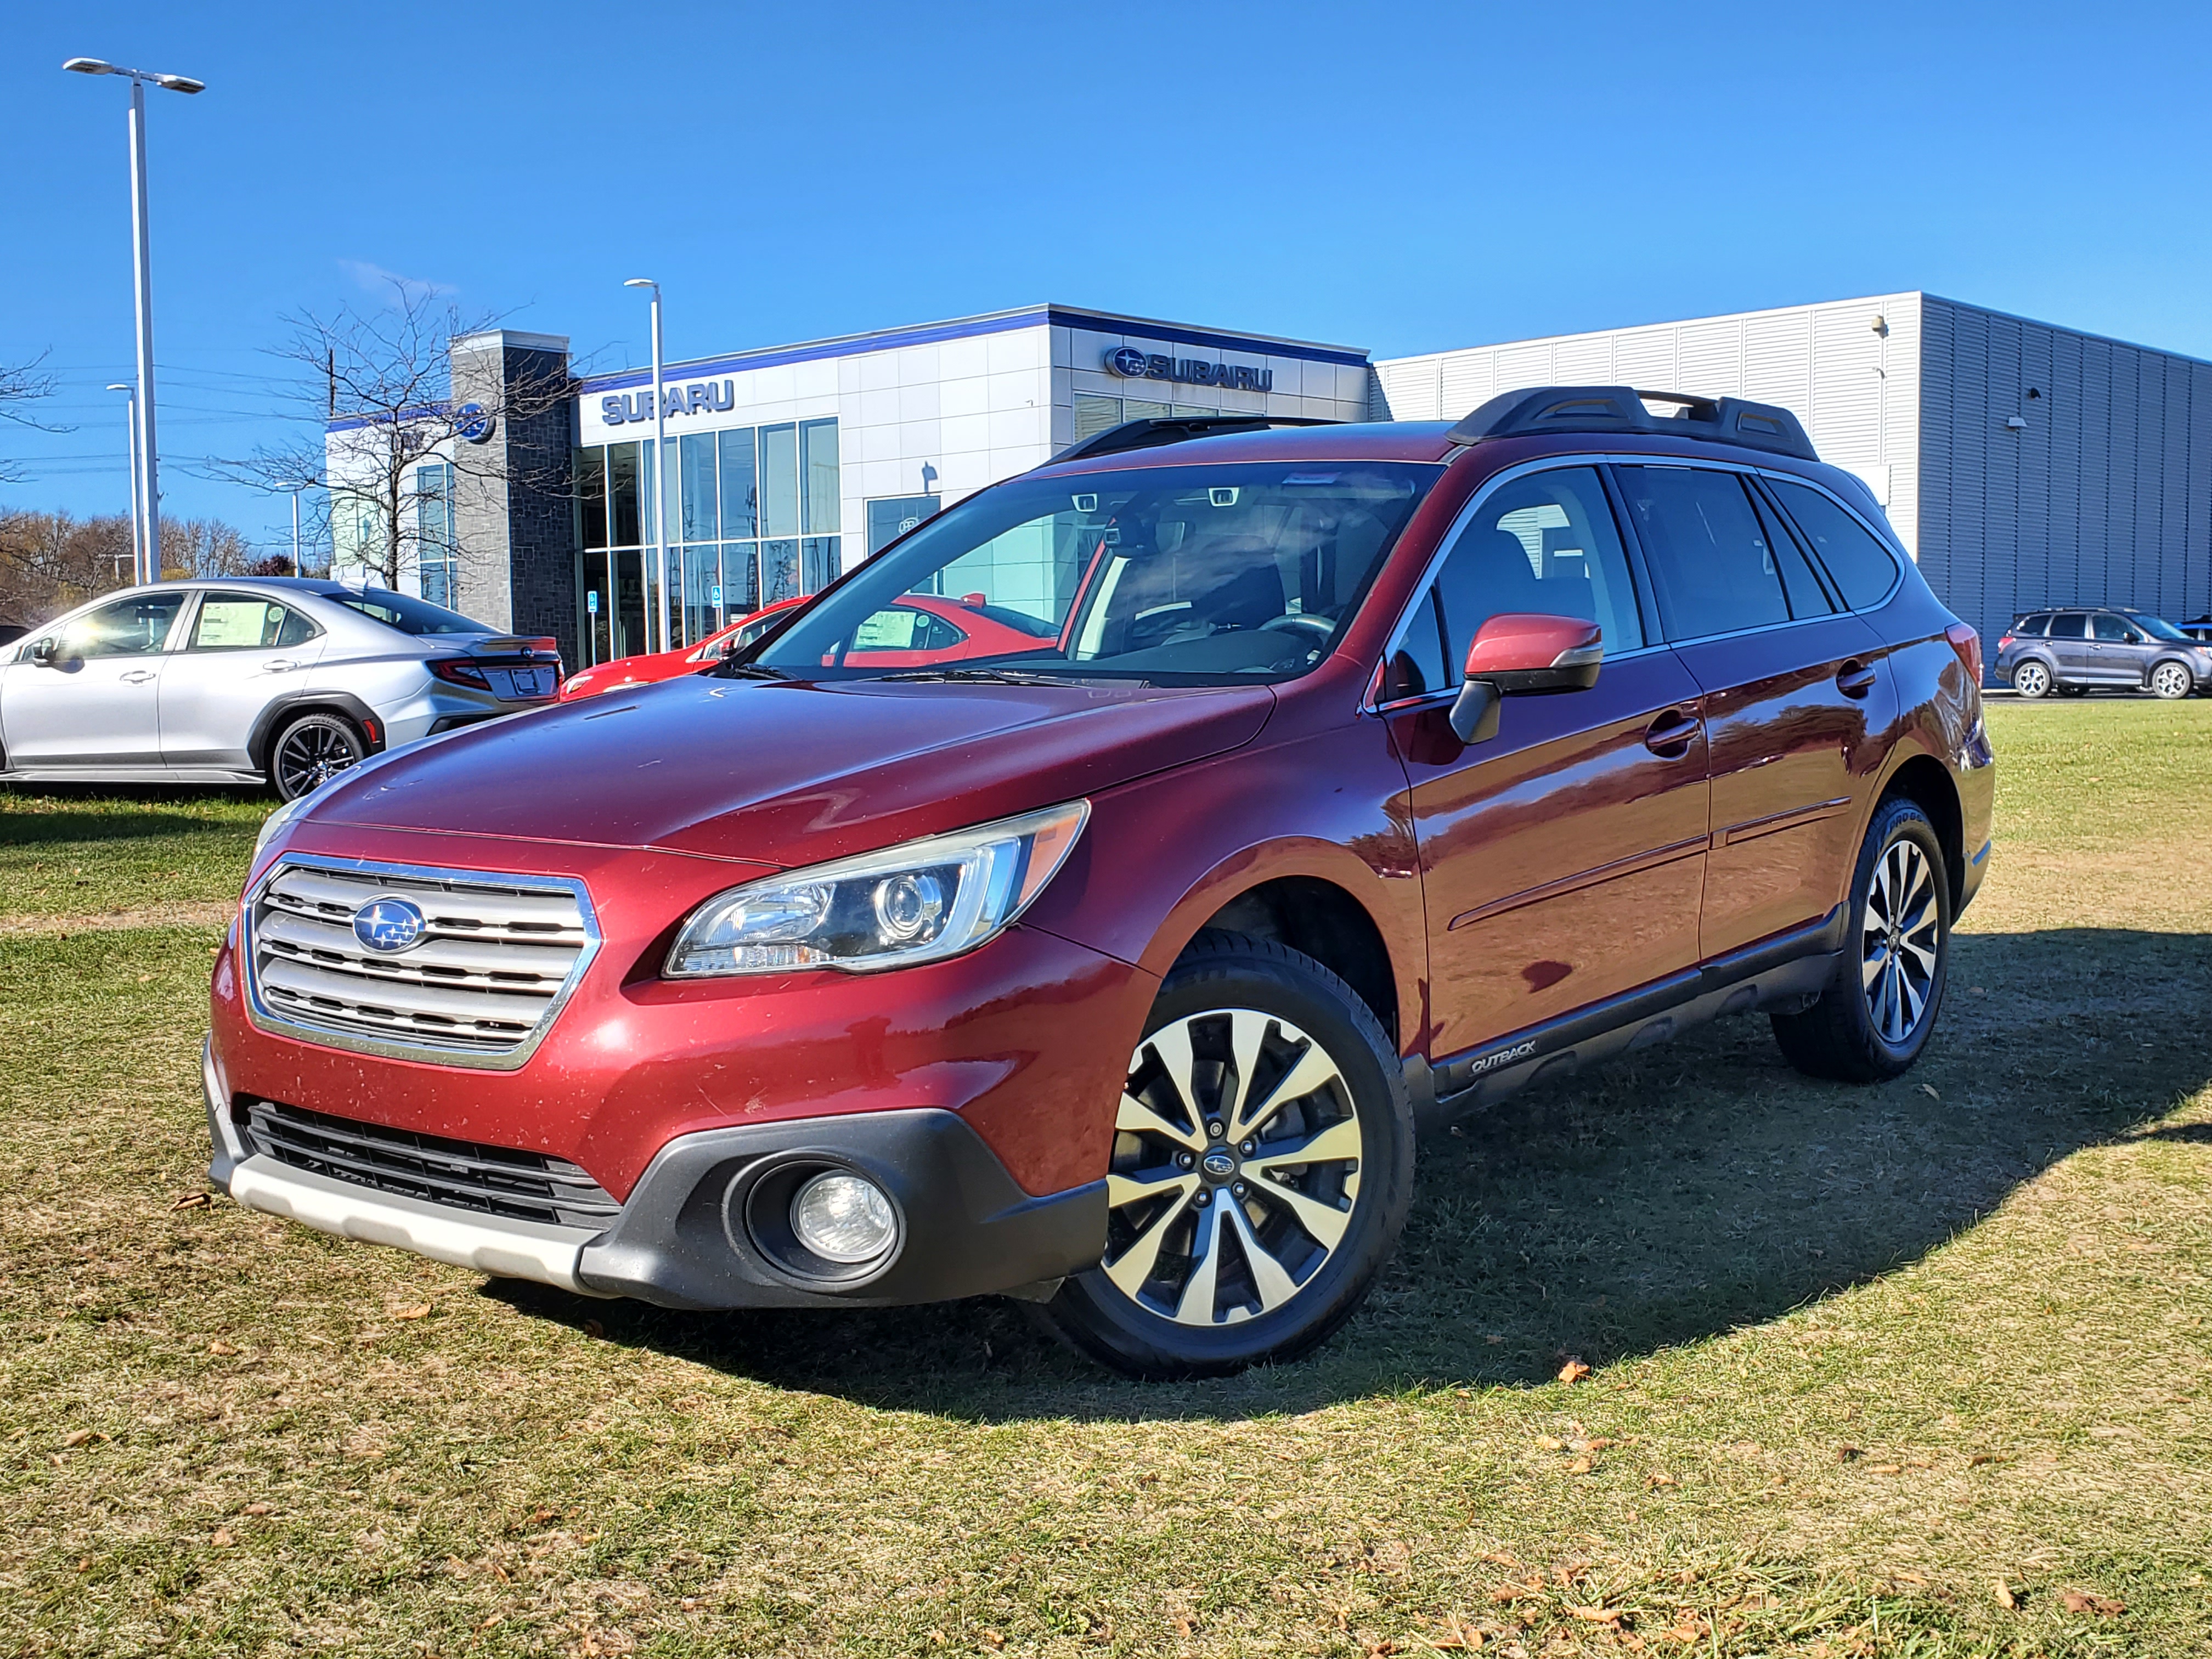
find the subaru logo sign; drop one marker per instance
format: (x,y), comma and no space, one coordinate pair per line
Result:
(1218,1164)
(473,424)
(388,925)
(1128,362)
(1131,364)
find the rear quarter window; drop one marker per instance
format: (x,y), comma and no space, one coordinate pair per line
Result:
(1862,569)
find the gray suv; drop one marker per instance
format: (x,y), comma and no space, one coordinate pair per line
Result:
(275,680)
(2072,650)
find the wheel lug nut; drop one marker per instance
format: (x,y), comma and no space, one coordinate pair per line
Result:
(1246,1149)
(1239,1189)
(1204,1198)
(1213,1131)
(1189,1161)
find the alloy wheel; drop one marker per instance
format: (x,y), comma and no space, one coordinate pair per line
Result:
(2169,680)
(1898,938)
(2031,679)
(1236,1170)
(311,755)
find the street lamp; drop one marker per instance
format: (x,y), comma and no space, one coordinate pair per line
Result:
(145,476)
(659,460)
(295,490)
(138,541)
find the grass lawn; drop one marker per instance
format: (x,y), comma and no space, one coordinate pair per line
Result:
(1916,1369)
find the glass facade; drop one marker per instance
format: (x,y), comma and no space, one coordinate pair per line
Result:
(892,516)
(755,517)
(437,552)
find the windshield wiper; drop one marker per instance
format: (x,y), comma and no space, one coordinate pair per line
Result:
(981,676)
(747,671)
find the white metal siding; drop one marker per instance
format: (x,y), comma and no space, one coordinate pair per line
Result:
(1823,362)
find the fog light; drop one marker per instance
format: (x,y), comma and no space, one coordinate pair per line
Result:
(843,1218)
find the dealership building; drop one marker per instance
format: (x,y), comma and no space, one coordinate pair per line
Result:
(2021,463)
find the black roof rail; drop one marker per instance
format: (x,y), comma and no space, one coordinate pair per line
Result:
(1534,410)
(1151,433)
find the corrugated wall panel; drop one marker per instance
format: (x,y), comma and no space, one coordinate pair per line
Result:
(1409,389)
(1938,424)
(2122,479)
(1469,381)
(2062,414)
(1519,366)
(1709,357)
(2000,495)
(2096,438)
(1645,357)
(2196,560)
(1585,362)
(2031,573)
(1845,417)
(2173,481)
(1778,359)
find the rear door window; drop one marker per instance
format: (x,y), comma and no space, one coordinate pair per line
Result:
(244,622)
(1864,570)
(1545,544)
(1715,564)
(2069,628)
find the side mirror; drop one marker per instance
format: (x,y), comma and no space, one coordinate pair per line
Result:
(43,654)
(1523,654)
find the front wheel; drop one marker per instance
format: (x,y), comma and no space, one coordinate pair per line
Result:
(1880,1006)
(2172,681)
(311,751)
(1262,1170)
(2031,679)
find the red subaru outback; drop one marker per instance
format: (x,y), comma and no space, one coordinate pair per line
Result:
(1356,776)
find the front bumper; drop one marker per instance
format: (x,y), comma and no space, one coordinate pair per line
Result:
(684,1237)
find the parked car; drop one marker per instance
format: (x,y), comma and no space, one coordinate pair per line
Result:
(1357,775)
(914,629)
(2199,631)
(2074,649)
(266,680)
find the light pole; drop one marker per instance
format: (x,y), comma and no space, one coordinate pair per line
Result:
(146,475)
(137,538)
(659,461)
(295,490)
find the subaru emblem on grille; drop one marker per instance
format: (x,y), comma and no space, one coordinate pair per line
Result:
(388,925)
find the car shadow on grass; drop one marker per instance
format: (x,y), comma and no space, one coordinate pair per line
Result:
(1683,1193)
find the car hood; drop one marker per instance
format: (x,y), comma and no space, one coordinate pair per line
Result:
(789,772)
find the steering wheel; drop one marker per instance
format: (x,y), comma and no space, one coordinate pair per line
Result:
(1293,622)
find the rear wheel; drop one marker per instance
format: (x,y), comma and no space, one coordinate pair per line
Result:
(1262,1166)
(2031,679)
(1875,1015)
(2171,680)
(311,751)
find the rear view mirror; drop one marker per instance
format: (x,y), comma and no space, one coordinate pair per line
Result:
(1524,654)
(43,653)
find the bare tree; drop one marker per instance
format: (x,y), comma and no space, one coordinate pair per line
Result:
(21,385)
(204,547)
(49,561)
(387,407)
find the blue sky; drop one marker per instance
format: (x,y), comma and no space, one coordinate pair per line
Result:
(1404,178)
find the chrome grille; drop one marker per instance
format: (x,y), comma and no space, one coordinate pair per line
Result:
(497,956)
(491,1180)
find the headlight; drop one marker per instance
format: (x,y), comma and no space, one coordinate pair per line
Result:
(919,902)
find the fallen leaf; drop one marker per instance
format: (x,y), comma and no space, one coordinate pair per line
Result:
(79,1437)
(222,1540)
(689,1604)
(219,1346)
(1550,1442)
(1652,1480)
(2004,1592)
(420,1310)
(993,1639)
(145,979)
(1582,1465)
(2083,1601)
(1928,1089)
(1457,1635)
(192,1202)
(1596,1615)
(1573,1371)
(1884,1468)
(256,1508)
(1904,1577)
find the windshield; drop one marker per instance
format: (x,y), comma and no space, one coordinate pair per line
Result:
(408,614)
(2159,628)
(1185,575)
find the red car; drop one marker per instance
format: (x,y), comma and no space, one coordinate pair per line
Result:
(1357,775)
(914,629)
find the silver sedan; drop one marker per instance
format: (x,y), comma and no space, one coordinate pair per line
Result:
(280,681)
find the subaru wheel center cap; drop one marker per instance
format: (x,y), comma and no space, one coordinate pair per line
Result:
(1220,1164)
(389,925)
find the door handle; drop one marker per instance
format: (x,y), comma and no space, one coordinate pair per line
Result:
(1671,733)
(282,666)
(1854,678)
(138,676)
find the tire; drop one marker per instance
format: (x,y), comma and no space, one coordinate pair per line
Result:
(2172,681)
(1875,1014)
(2031,678)
(311,750)
(1213,1263)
